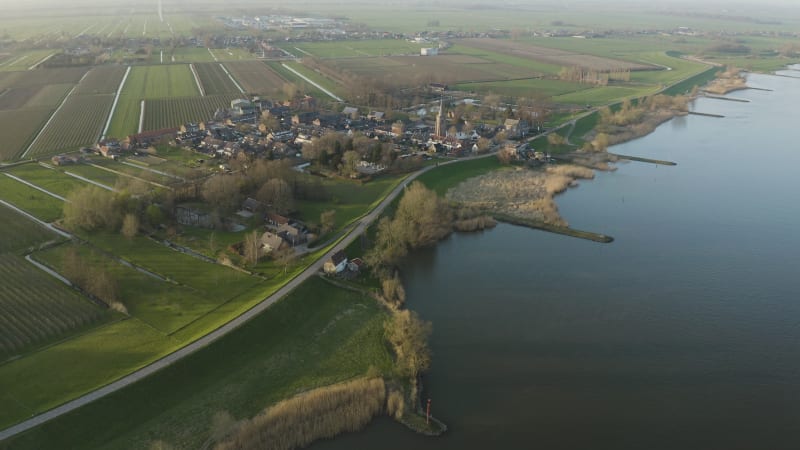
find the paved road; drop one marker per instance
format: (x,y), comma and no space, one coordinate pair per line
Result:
(225,329)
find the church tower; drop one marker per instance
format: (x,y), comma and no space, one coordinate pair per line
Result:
(439,130)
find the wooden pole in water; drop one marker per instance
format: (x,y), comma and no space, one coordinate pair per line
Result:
(428,416)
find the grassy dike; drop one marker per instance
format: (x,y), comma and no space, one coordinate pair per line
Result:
(317,336)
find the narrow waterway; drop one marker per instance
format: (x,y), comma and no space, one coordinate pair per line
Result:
(682,334)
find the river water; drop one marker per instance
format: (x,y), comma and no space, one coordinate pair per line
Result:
(684,333)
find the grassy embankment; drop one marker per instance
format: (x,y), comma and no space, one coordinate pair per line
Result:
(317,336)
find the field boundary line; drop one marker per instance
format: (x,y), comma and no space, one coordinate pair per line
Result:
(101,185)
(141,116)
(116,100)
(50,120)
(37,220)
(28,183)
(123,174)
(149,169)
(331,94)
(12,62)
(48,270)
(197,81)
(231,77)
(42,61)
(212,55)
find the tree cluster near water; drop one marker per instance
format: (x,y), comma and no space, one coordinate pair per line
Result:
(633,120)
(421,219)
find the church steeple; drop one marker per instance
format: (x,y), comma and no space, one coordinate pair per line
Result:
(439,130)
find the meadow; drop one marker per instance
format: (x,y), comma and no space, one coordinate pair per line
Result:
(36,203)
(318,335)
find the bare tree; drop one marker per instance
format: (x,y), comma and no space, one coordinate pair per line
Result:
(130,225)
(250,248)
(277,195)
(327,221)
(408,335)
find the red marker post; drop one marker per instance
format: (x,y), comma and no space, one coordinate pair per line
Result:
(428,417)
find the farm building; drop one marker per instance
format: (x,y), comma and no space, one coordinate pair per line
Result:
(147,138)
(270,242)
(430,51)
(337,263)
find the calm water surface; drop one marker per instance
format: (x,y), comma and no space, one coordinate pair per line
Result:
(682,334)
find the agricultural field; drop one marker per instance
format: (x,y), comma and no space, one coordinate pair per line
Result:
(174,112)
(230,54)
(51,180)
(149,83)
(42,77)
(18,128)
(214,80)
(552,56)
(420,70)
(24,60)
(26,233)
(348,49)
(27,100)
(173,80)
(191,55)
(78,123)
(256,77)
(317,335)
(36,308)
(604,95)
(101,80)
(531,88)
(36,203)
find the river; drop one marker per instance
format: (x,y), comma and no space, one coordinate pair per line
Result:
(684,333)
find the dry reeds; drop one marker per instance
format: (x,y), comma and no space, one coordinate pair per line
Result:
(318,414)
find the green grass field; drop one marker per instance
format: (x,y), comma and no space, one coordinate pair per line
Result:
(349,199)
(21,233)
(35,203)
(532,88)
(444,177)
(533,65)
(48,179)
(317,336)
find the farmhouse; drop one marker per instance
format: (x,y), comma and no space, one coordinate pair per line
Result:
(148,138)
(337,263)
(270,242)
(109,148)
